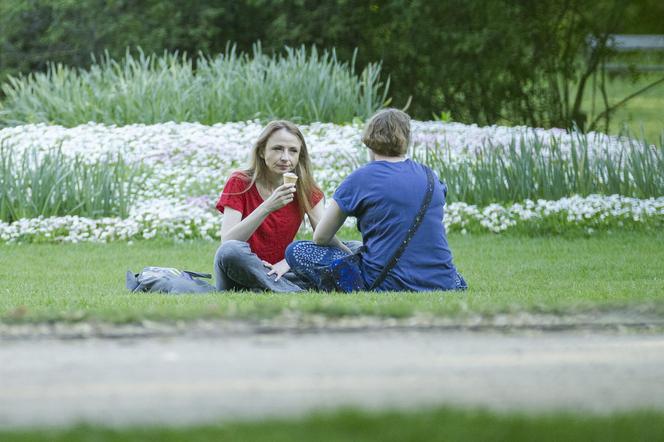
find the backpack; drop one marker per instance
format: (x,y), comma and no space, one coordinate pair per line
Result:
(343,274)
(168,280)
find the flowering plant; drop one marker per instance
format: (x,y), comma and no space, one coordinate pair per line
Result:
(187,165)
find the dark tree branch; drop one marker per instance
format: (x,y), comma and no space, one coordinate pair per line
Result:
(611,109)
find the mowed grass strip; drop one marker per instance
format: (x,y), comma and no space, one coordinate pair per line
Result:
(506,273)
(439,424)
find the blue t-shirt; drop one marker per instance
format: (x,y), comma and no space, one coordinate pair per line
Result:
(385,197)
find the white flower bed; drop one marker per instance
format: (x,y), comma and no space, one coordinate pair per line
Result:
(169,219)
(190,163)
(191,159)
(188,159)
(590,213)
(464,141)
(157,219)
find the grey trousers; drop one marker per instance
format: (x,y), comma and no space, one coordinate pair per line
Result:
(236,267)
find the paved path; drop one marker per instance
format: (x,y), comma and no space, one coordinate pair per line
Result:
(195,379)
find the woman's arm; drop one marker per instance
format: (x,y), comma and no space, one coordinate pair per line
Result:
(315,216)
(234,227)
(332,220)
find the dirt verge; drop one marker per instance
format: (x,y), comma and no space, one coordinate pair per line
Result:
(616,321)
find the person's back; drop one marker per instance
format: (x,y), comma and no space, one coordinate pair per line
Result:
(385,197)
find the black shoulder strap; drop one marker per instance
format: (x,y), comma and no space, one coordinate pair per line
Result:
(411,231)
(198,274)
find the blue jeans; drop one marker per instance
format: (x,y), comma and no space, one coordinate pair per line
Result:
(236,267)
(306,259)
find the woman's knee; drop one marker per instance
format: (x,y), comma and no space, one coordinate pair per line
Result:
(354,246)
(231,252)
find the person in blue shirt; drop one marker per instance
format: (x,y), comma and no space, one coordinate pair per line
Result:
(384,196)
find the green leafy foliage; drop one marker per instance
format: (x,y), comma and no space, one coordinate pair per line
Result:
(48,184)
(529,169)
(302,85)
(484,61)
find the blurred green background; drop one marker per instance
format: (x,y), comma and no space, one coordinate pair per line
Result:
(478,61)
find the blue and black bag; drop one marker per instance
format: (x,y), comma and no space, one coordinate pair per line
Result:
(343,275)
(168,280)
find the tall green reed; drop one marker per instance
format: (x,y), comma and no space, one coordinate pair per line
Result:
(299,84)
(532,169)
(49,183)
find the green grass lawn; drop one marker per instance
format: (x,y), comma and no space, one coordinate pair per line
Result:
(440,424)
(641,114)
(506,273)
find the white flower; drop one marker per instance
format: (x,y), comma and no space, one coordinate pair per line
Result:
(188,164)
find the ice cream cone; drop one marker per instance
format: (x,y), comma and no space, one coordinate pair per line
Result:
(290,177)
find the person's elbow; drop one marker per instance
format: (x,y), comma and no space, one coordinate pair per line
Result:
(320,239)
(332,220)
(227,236)
(320,242)
(323,235)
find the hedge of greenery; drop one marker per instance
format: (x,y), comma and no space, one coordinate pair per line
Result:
(550,168)
(469,57)
(302,85)
(48,184)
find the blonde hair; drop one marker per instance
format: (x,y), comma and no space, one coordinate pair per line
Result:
(258,170)
(388,132)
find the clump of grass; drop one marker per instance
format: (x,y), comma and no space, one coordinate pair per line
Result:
(37,183)
(442,423)
(531,169)
(299,84)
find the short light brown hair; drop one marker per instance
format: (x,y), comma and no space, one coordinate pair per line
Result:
(388,132)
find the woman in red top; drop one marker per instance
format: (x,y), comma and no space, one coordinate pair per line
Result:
(262,215)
